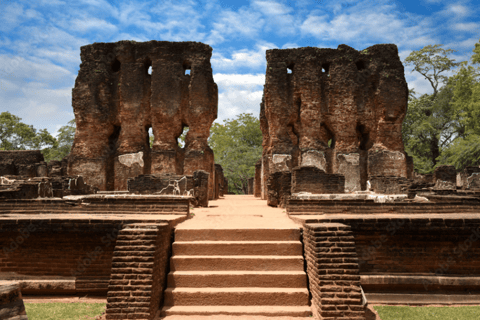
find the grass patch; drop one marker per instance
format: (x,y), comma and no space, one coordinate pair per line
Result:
(428,313)
(64,311)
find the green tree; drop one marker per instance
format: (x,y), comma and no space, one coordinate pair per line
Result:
(430,124)
(237,145)
(64,142)
(476,53)
(465,151)
(16,135)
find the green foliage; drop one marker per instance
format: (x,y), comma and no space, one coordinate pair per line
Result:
(16,135)
(428,128)
(430,62)
(237,145)
(428,313)
(476,53)
(463,152)
(430,124)
(64,142)
(64,311)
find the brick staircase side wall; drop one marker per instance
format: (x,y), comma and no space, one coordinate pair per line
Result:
(333,272)
(136,287)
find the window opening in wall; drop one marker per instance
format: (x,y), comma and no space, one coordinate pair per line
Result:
(182,138)
(363,137)
(290,68)
(151,137)
(110,170)
(360,65)
(116,65)
(148,66)
(326,69)
(187,68)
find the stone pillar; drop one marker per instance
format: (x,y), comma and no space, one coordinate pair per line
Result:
(257,184)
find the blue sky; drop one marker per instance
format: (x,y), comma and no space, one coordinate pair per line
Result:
(40,40)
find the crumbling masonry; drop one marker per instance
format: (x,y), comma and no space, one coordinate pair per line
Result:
(340,110)
(125,88)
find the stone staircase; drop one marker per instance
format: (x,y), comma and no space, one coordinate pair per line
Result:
(256,272)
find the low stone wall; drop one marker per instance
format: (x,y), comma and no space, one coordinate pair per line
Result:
(100,204)
(58,256)
(420,255)
(11,302)
(195,186)
(333,272)
(369,207)
(314,180)
(389,184)
(139,270)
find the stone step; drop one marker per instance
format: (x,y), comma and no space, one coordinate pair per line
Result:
(225,263)
(137,237)
(236,296)
(288,234)
(205,248)
(219,279)
(150,232)
(268,311)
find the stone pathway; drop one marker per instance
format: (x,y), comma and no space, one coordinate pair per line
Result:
(238,258)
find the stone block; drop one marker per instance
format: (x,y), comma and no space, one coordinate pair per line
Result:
(314,180)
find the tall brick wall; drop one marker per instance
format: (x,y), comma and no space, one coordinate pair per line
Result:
(332,268)
(79,250)
(139,271)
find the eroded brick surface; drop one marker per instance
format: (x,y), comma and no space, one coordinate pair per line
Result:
(116,100)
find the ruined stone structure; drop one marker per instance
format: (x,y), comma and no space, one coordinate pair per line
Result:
(11,302)
(340,110)
(25,175)
(117,99)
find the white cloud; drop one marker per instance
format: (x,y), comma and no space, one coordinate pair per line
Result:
(233,102)
(290,45)
(239,81)
(469,27)
(239,93)
(89,24)
(233,25)
(458,9)
(363,24)
(254,59)
(271,8)
(11,16)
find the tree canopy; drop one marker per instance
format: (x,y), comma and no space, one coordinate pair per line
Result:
(237,145)
(442,127)
(16,135)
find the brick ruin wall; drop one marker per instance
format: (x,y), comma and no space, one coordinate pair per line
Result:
(116,101)
(425,255)
(340,110)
